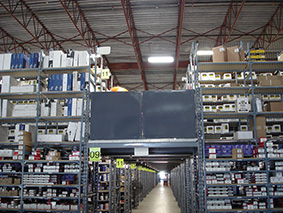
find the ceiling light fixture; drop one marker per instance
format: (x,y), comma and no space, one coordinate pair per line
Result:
(204,52)
(163,59)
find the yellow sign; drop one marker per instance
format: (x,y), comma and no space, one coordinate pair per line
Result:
(120,163)
(133,166)
(139,167)
(94,154)
(105,74)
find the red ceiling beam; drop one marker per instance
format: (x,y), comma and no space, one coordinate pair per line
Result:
(230,21)
(157,36)
(134,38)
(145,65)
(80,22)
(200,35)
(179,39)
(9,43)
(31,23)
(271,30)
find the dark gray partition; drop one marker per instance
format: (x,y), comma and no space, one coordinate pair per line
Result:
(169,114)
(115,115)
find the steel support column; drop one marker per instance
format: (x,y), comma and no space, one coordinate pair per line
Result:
(229,22)
(134,38)
(179,39)
(31,23)
(271,30)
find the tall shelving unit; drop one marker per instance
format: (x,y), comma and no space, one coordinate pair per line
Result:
(239,185)
(45,192)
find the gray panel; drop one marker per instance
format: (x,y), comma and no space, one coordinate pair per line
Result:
(169,114)
(115,115)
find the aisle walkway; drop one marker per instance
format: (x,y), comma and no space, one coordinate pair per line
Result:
(159,200)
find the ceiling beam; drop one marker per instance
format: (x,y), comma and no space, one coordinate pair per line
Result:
(230,21)
(134,38)
(145,65)
(31,23)
(80,22)
(9,43)
(271,30)
(179,39)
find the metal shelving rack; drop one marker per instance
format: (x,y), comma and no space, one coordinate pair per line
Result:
(247,67)
(38,74)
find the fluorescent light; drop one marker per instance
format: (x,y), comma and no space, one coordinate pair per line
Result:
(205,52)
(164,59)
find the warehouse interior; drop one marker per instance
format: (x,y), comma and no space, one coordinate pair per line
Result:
(141,106)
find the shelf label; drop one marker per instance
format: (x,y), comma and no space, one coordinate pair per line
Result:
(105,74)
(94,154)
(120,163)
(133,166)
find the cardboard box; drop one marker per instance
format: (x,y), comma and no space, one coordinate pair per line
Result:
(270,80)
(280,57)
(219,54)
(25,138)
(274,107)
(237,153)
(233,54)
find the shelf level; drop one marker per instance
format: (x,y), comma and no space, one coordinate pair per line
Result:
(222,67)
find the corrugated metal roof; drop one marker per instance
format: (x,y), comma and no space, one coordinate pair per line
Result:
(156,26)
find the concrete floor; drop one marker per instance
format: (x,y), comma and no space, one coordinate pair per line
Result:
(159,200)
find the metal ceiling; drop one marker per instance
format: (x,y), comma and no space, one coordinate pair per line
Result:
(137,29)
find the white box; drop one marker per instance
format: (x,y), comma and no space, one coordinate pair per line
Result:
(227,76)
(206,97)
(1,61)
(70,62)
(63,60)
(214,108)
(56,109)
(83,58)
(22,89)
(71,130)
(55,58)
(210,129)
(7,108)
(227,108)
(224,98)
(45,110)
(220,108)
(7,82)
(79,106)
(214,97)
(25,110)
(207,108)
(78,132)
(276,128)
(218,129)
(240,75)
(74,106)
(76,83)
(225,128)
(50,138)
(243,105)
(269,129)
(243,135)
(244,127)
(45,61)
(211,76)
(217,77)
(204,76)
(76,58)
(7,61)
(232,97)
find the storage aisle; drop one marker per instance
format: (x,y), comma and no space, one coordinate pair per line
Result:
(159,200)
